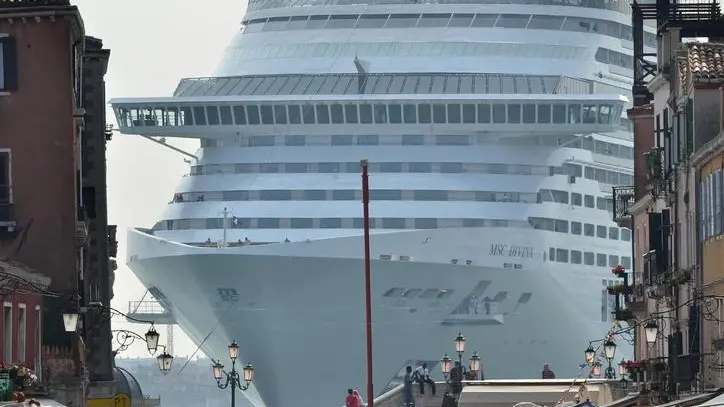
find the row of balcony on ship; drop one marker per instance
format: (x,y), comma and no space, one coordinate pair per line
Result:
(597,114)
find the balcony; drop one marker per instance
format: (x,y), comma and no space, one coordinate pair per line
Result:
(81,233)
(623,200)
(656,174)
(636,302)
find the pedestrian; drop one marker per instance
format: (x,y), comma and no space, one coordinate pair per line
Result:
(409,398)
(422,374)
(547,373)
(351,400)
(358,394)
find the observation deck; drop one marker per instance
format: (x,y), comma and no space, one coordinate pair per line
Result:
(149,311)
(274,104)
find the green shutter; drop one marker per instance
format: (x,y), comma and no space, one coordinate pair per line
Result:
(10,64)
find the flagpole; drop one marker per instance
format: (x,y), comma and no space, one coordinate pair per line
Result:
(368,284)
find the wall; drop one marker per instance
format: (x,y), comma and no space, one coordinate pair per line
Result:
(643,128)
(37,125)
(33,312)
(707,114)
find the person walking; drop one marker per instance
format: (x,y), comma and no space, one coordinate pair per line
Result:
(409,398)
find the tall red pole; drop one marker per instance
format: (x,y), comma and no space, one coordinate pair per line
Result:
(368,283)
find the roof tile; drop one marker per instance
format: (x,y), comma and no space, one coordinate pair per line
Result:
(703,62)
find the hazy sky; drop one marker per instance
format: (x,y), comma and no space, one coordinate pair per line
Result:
(153,44)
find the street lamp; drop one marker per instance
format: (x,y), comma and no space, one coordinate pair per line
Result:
(233,379)
(165,360)
(596,371)
(609,350)
(475,363)
(152,338)
(651,330)
(460,344)
(445,366)
(70,321)
(590,354)
(622,368)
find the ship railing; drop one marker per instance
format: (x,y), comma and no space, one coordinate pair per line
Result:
(146,307)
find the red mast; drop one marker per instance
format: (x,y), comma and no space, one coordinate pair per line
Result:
(368,283)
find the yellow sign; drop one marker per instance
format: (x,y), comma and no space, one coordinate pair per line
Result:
(119,400)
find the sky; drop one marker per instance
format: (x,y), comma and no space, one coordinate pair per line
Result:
(153,44)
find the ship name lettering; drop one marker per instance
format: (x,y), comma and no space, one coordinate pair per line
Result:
(512,251)
(228,294)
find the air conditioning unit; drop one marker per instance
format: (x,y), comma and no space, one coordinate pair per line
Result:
(571,179)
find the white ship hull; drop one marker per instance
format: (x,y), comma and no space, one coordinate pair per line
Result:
(297,309)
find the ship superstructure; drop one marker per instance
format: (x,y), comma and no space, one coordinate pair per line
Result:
(494,133)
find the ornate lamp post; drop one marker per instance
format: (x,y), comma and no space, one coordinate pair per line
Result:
(623,371)
(475,364)
(596,370)
(651,331)
(446,366)
(233,379)
(609,350)
(126,338)
(590,354)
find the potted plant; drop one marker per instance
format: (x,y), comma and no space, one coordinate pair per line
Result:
(619,271)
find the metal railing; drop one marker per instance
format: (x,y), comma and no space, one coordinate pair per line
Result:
(146,307)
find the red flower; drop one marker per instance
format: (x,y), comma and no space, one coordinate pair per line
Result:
(618,271)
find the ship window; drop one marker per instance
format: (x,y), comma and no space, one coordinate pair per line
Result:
(294,140)
(269,168)
(297,22)
(380,112)
(625,235)
(409,113)
(429,293)
(394,292)
(267,114)
(601,260)
(552,254)
(395,113)
(498,113)
(438,113)
(225,113)
(452,140)
(368,140)
(350,112)
(322,114)
(576,228)
(434,20)
(589,113)
(613,260)
(484,20)
(424,113)
(559,196)
(512,21)
(275,195)
(295,168)
(267,223)
(453,113)
(561,226)
(559,113)
(199,116)
(513,113)
(213,114)
(413,140)
(242,168)
(308,114)
(393,223)
(302,223)
(235,195)
(430,195)
(371,21)
(468,113)
(588,200)
(295,114)
(544,113)
(365,113)
(461,20)
(576,199)
(412,293)
(588,229)
(601,231)
(341,21)
(562,255)
(261,141)
(483,113)
(343,195)
(330,223)
(315,195)
(528,113)
(402,21)
(574,114)
(187,116)
(451,168)
(252,114)
(420,167)
(425,223)
(336,113)
(576,257)
(385,194)
(342,140)
(588,258)
(358,223)
(327,168)
(317,22)
(626,262)
(613,233)
(545,22)
(444,293)
(390,167)
(600,203)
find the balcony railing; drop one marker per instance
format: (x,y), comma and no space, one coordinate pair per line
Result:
(623,200)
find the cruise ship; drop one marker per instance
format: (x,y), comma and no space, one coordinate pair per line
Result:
(494,131)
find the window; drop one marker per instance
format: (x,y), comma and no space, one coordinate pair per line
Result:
(528,113)
(294,140)
(576,228)
(589,201)
(601,260)
(498,113)
(561,226)
(330,223)
(420,167)
(453,113)
(613,260)
(390,167)
(315,195)
(8,337)
(280,114)
(302,223)
(424,113)
(588,229)
(425,223)
(484,114)
(267,223)
(385,194)
(368,140)
(613,233)
(468,113)
(576,199)
(430,195)
(588,258)
(393,223)
(345,140)
(562,255)
(5,182)
(343,195)
(275,195)
(294,114)
(438,113)
(409,113)
(395,111)
(514,113)
(350,112)
(576,257)
(601,231)
(365,114)
(625,235)
(22,333)
(413,140)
